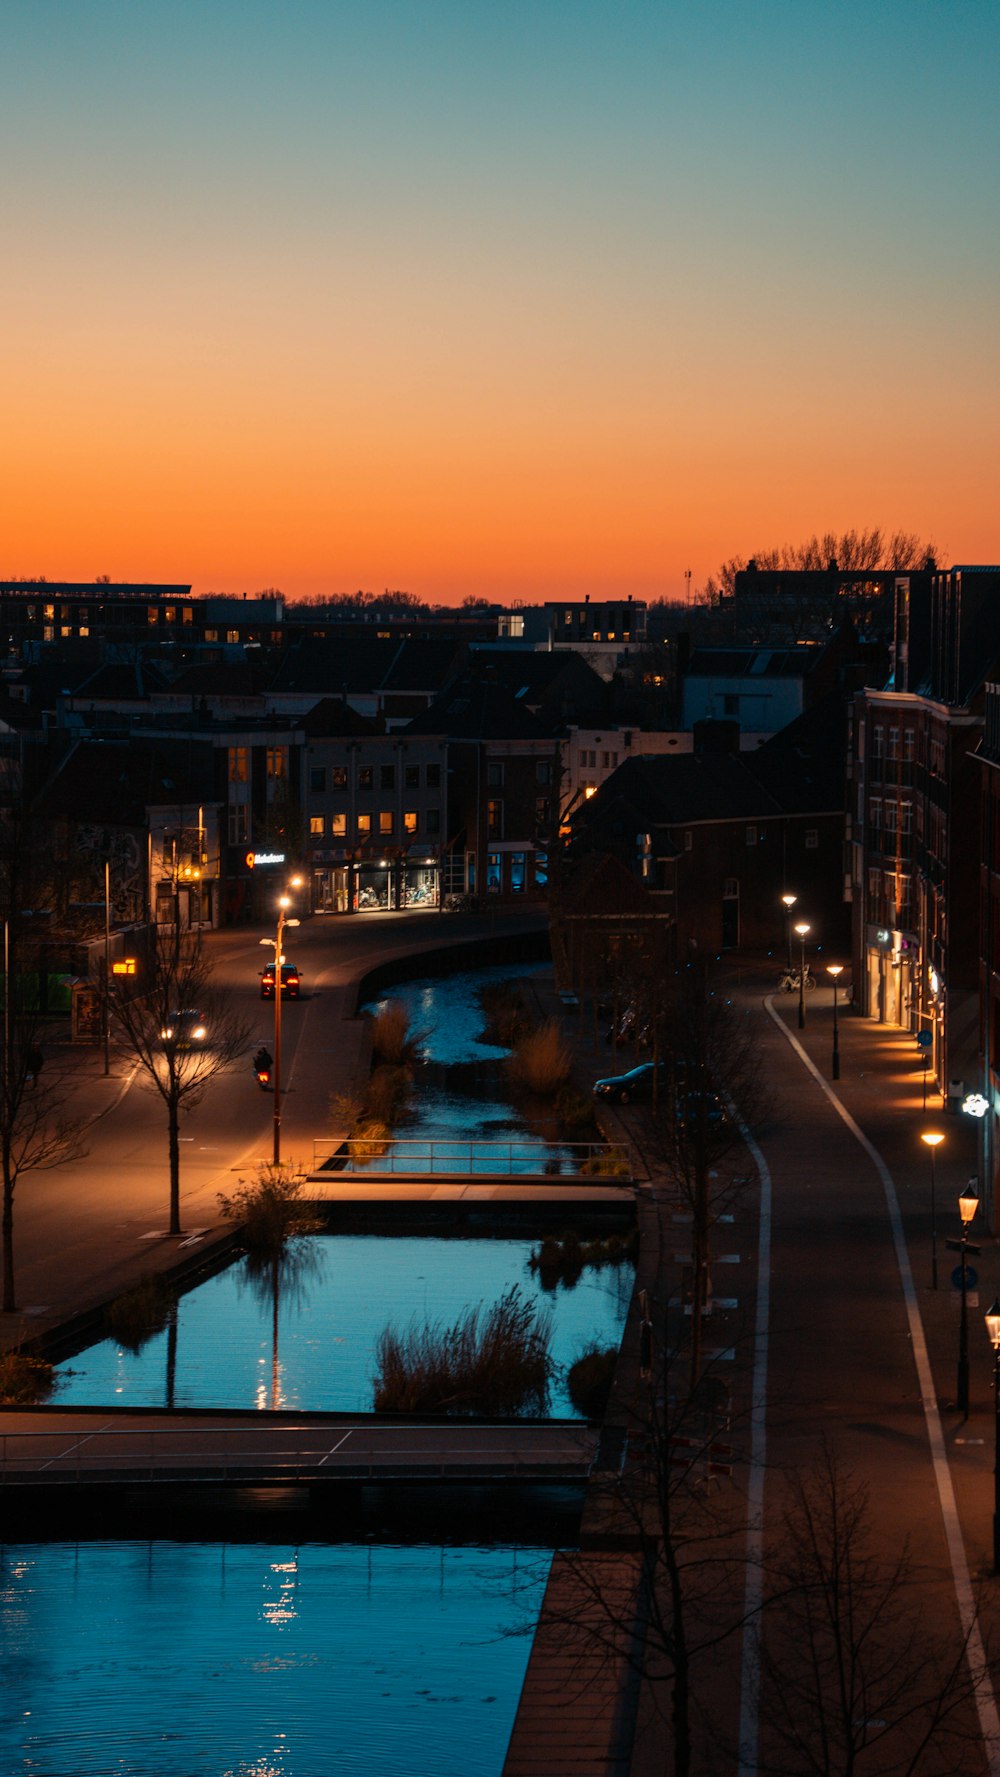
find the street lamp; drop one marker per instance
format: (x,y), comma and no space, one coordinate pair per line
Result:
(284,902)
(836,970)
(933,1139)
(992,1318)
(788,902)
(968,1203)
(803,931)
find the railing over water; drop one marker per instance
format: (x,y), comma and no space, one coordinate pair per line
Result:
(576,1162)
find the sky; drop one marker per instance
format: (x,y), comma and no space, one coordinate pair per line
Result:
(476,300)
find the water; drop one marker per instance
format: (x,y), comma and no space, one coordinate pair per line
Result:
(178,1659)
(446,1014)
(330,1314)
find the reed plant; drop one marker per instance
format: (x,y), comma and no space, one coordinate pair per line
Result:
(541,1062)
(140,1312)
(24,1381)
(493,1362)
(393,1039)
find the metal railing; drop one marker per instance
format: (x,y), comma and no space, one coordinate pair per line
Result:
(570,1161)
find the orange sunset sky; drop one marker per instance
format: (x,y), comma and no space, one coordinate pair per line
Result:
(516,302)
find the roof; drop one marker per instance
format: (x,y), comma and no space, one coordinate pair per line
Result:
(751,663)
(473,710)
(116,781)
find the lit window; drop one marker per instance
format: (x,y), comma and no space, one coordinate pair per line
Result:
(364,825)
(316,825)
(338,826)
(238,761)
(410,822)
(277,762)
(385,823)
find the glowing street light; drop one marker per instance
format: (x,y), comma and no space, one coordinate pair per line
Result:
(836,970)
(803,930)
(788,902)
(968,1203)
(933,1138)
(284,902)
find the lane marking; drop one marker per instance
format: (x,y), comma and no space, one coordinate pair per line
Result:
(986,1706)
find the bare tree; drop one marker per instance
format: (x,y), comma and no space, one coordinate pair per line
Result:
(35,1132)
(856,1675)
(177,1064)
(711,1089)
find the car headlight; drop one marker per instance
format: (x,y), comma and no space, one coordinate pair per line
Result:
(166,1035)
(200,1033)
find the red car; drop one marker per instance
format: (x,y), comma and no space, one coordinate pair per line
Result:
(289,982)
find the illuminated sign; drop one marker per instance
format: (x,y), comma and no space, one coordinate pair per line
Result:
(256,858)
(975,1105)
(125,967)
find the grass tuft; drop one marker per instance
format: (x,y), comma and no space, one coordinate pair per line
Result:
(270,1210)
(541,1061)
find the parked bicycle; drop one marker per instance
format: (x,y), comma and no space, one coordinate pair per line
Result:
(788,981)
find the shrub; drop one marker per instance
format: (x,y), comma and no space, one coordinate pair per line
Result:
(541,1061)
(138,1313)
(270,1210)
(24,1380)
(508,1019)
(490,1363)
(590,1379)
(386,1096)
(576,1114)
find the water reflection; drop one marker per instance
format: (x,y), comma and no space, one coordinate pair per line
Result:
(214,1660)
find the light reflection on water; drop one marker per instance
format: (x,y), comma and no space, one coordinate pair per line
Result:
(227,1351)
(174,1659)
(448,1013)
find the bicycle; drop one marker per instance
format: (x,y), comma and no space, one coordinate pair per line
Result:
(788,981)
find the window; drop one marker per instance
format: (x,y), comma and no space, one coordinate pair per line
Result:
(688,839)
(494,818)
(364,825)
(543,771)
(338,826)
(494,775)
(211,635)
(316,826)
(875,810)
(541,869)
(410,822)
(812,839)
(894,743)
(239,823)
(387,777)
(169,614)
(411,777)
(152,615)
(609,761)
(543,813)
(432,820)
(751,835)
(492,872)
(232,635)
(433,777)
(517,873)
(317,778)
(238,764)
(277,762)
(906,817)
(731,703)
(385,822)
(338,777)
(364,777)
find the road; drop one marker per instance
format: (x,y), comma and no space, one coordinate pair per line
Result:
(85,1230)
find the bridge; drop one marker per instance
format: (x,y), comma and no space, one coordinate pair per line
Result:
(79,1449)
(574,1165)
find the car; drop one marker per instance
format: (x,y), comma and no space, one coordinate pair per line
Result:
(636,1083)
(185,1029)
(290,982)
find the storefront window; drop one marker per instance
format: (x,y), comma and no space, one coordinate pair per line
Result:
(493,873)
(517,873)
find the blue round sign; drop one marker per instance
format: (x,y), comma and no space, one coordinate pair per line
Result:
(925,1038)
(971,1277)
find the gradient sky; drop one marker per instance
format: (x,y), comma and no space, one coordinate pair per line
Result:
(520,299)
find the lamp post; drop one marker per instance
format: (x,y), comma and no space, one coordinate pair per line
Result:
(968,1203)
(803,931)
(284,902)
(992,1318)
(836,970)
(933,1139)
(788,902)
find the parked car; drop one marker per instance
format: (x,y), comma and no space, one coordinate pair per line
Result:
(290,982)
(637,1083)
(185,1029)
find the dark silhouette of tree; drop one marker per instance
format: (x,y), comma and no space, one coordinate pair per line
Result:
(176,977)
(36,1132)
